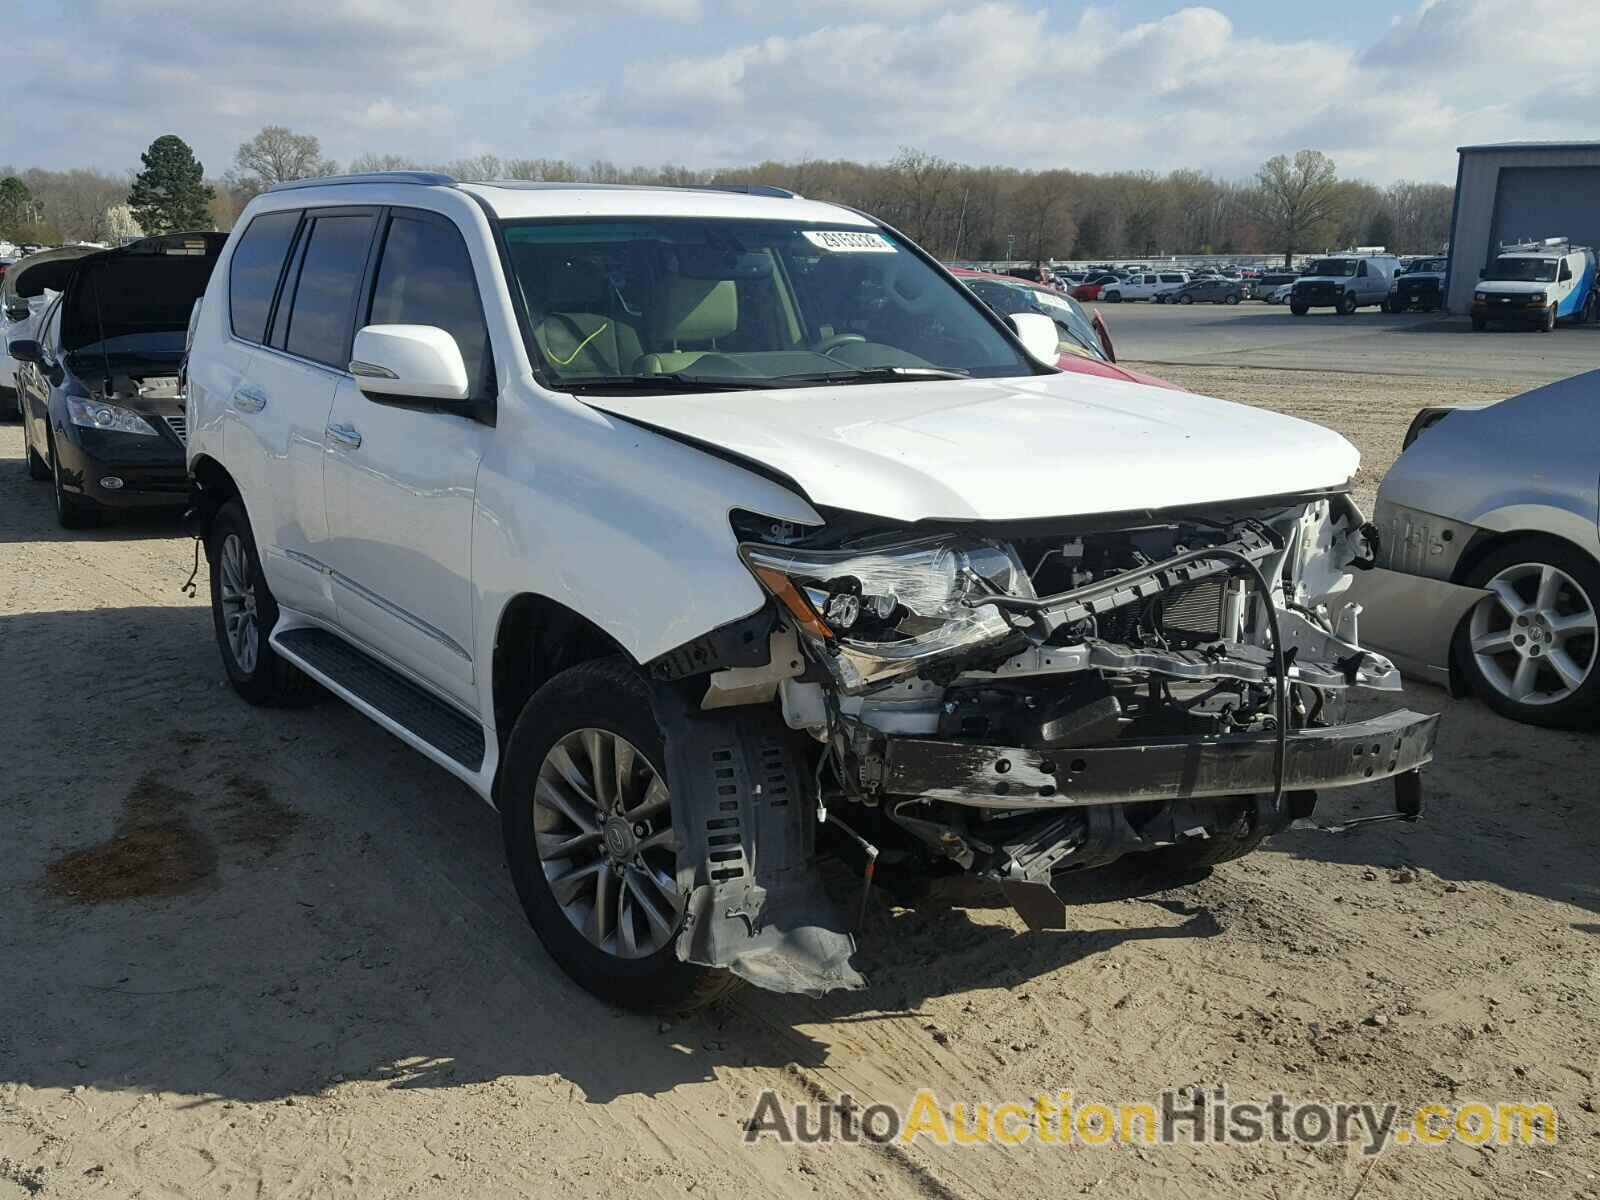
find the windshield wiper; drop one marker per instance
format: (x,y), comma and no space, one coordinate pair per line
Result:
(872,375)
(670,382)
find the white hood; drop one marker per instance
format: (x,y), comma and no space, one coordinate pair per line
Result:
(1006,449)
(1512,287)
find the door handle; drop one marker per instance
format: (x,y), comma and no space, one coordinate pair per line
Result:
(346,435)
(248,399)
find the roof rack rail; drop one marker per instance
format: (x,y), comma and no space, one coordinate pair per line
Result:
(429,178)
(748,189)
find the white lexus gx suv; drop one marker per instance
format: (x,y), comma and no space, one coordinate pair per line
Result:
(707,533)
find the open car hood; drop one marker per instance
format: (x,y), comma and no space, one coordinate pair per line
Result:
(1004,449)
(146,288)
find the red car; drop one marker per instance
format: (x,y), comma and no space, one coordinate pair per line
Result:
(1085,347)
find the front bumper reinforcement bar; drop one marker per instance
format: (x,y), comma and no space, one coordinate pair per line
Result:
(1130,772)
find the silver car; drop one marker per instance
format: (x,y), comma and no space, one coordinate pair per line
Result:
(1488,575)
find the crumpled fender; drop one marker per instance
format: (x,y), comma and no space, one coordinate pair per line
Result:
(756,905)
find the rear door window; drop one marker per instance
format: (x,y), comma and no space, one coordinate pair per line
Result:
(254,270)
(323,311)
(425,278)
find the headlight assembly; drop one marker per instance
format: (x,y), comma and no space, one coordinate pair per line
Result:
(878,613)
(95,414)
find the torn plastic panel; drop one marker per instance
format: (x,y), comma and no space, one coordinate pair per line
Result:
(756,905)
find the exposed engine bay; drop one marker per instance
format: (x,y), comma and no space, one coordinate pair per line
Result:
(1027,703)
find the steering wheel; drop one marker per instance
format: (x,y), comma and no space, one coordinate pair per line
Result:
(834,341)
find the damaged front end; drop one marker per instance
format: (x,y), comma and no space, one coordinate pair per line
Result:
(1019,702)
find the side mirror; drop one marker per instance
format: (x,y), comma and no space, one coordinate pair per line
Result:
(408,362)
(17,312)
(1103,332)
(1037,333)
(25,350)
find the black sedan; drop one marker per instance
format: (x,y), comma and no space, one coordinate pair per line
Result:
(99,385)
(1205,291)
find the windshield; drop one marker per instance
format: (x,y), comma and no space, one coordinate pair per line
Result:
(1073,324)
(1332,266)
(1432,266)
(1523,270)
(758,303)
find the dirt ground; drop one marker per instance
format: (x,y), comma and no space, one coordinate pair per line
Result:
(322,985)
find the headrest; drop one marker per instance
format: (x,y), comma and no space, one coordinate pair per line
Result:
(697,310)
(572,285)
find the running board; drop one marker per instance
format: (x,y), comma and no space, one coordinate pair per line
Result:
(452,733)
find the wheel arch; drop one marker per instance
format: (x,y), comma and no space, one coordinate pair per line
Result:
(536,638)
(211,486)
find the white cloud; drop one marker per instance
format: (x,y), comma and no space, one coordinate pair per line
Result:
(1011,81)
(1002,83)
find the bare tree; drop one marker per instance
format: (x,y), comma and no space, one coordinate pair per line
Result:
(276,155)
(1295,199)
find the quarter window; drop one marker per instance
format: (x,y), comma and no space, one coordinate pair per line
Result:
(253,272)
(325,296)
(425,278)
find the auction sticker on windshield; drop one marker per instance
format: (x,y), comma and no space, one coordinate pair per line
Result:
(842,241)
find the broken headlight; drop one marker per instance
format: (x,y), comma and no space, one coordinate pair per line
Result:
(877,614)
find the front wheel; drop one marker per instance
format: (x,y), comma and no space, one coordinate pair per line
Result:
(1548,323)
(1185,299)
(1299,310)
(1347,305)
(1479,324)
(71,512)
(1231,300)
(1529,649)
(587,820)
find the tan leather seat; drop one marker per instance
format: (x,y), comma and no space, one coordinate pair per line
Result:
(573,328)
(689,311)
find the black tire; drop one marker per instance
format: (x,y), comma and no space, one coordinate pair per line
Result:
(10,403)
(1580,709)
(1479,324)
(1231,300)
(1547,323)
(1185,299)
(71,512)
(1298,310)
(268,681)
(610,695)
(1113,298)
(1347,305)
(38,469)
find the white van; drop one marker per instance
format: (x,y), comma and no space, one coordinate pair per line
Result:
(1344,283)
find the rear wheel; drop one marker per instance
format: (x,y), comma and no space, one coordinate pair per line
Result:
(1232,299)
(1185,299)
(587,820)
(1529,649)
(243,613)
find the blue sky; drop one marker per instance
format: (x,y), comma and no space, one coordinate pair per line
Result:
(1388,87)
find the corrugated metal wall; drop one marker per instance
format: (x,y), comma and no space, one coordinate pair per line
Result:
(1533,199)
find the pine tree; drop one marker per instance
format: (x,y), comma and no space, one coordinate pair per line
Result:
(170,193)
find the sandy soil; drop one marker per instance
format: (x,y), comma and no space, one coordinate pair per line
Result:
(324,987)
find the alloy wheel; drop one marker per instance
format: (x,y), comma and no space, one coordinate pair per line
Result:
(1534,637)
(602,829)
(237,591)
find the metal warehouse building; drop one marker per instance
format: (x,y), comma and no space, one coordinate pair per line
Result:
(1518,191)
